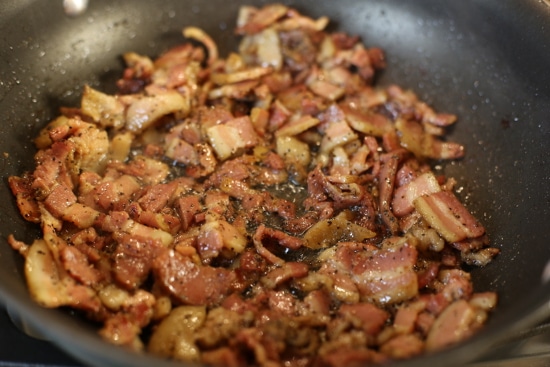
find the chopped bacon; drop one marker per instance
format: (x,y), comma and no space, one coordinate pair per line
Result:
(444,212)
(189,283)
(403,346)
(255,20)
(21,189)
(405,195)
(452,325)
(200,36)
(273,207)
(133,259)
(288,271)
(370,318)
(386,184)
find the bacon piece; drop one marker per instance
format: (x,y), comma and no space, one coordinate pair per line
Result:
(165,222)
(104,109)
(80,215)
(76,264)
(385,276)
(119,221)
(52,169)
(386,183)
(252,20)
(456,284)
(147,170)
(303,22)
(337,134)
(240,76)
(133,259)
(146,110)
(50,285)
(232,137)
(246,130)
(188,207)
(283,239)
(299,51)
(281,303)
(296,126)
(406,317)
(405,195)
(199,35)
(157,196)
(328,232)
(219,236)
(181,151)
(451,326)
(367,316)
(326,90)
(261,249)
(61,203)
(446,214)
(123,328)
(403,346)
(191,284)
(370,123)
(110,194)
(422,144)
(27,204)
(240,90)
(289,270)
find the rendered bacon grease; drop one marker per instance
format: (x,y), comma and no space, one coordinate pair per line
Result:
(269,208)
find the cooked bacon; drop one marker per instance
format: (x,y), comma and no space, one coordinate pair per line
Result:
(288,271)
(453,325)
(147,170)
(366,315)
(51,168)
(219,236)
(444,212)
(386,183)
(403,346)
(146,110)
(189,283)
(27,204)
(133,259)
(123,328)
(270,208)
(223,356)
(76,264)
(405,195)
(252,20)
(200,36)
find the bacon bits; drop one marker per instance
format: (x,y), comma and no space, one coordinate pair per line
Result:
(272,207)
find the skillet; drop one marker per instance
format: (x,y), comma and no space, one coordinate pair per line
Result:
(486,61)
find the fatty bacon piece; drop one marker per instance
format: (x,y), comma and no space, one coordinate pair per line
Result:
(446,214)
(52,275)
(145,110)
(404,196)
(232,137)
(189,283)
(384,276)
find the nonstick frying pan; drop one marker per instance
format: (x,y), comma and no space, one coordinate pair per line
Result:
(486,61)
